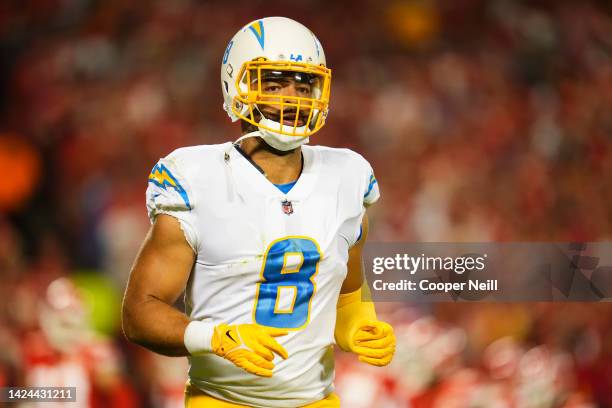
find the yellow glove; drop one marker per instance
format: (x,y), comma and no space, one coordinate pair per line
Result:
(359,331)
(249,346)
(374,342)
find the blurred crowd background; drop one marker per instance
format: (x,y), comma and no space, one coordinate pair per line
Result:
(483,120)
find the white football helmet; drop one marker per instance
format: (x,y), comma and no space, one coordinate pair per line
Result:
(276,46)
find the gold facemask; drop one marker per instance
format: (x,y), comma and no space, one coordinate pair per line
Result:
(314,109)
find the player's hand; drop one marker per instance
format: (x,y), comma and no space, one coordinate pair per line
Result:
(374,342)
(249,346)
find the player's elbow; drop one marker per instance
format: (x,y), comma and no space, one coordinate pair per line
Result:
(129,322)
(126,325)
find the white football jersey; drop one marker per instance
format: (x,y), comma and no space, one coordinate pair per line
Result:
(266,257)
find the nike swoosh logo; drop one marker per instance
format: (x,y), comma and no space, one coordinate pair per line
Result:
(227,333)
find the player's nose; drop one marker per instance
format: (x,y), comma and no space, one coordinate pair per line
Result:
(290,89)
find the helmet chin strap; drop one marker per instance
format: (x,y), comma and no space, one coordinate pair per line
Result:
(256,133)
(274,139)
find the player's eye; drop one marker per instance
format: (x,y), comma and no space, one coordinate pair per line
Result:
(271,87)
(304,90)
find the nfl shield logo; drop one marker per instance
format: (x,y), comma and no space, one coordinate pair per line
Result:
(287,207)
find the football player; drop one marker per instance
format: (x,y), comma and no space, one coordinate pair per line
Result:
(264,235)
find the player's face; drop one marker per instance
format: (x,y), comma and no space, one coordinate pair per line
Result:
(290,86)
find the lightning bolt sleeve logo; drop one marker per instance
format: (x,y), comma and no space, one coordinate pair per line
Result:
(370,185)
(163,178)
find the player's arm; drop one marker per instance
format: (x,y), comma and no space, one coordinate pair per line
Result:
(354,277)
(157,279)
(159,276)
(358,329)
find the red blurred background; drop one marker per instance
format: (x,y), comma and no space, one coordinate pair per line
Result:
(483,120)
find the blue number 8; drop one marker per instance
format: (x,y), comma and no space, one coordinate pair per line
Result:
(277,276)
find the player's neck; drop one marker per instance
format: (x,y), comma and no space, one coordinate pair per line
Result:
(279,168)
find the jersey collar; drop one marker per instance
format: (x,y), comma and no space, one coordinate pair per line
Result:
(249,176)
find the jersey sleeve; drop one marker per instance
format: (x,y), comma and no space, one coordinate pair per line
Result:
(371,193)
(168,193)
(365,190)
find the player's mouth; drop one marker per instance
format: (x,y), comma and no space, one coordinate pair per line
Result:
(290,121)
(288,118)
